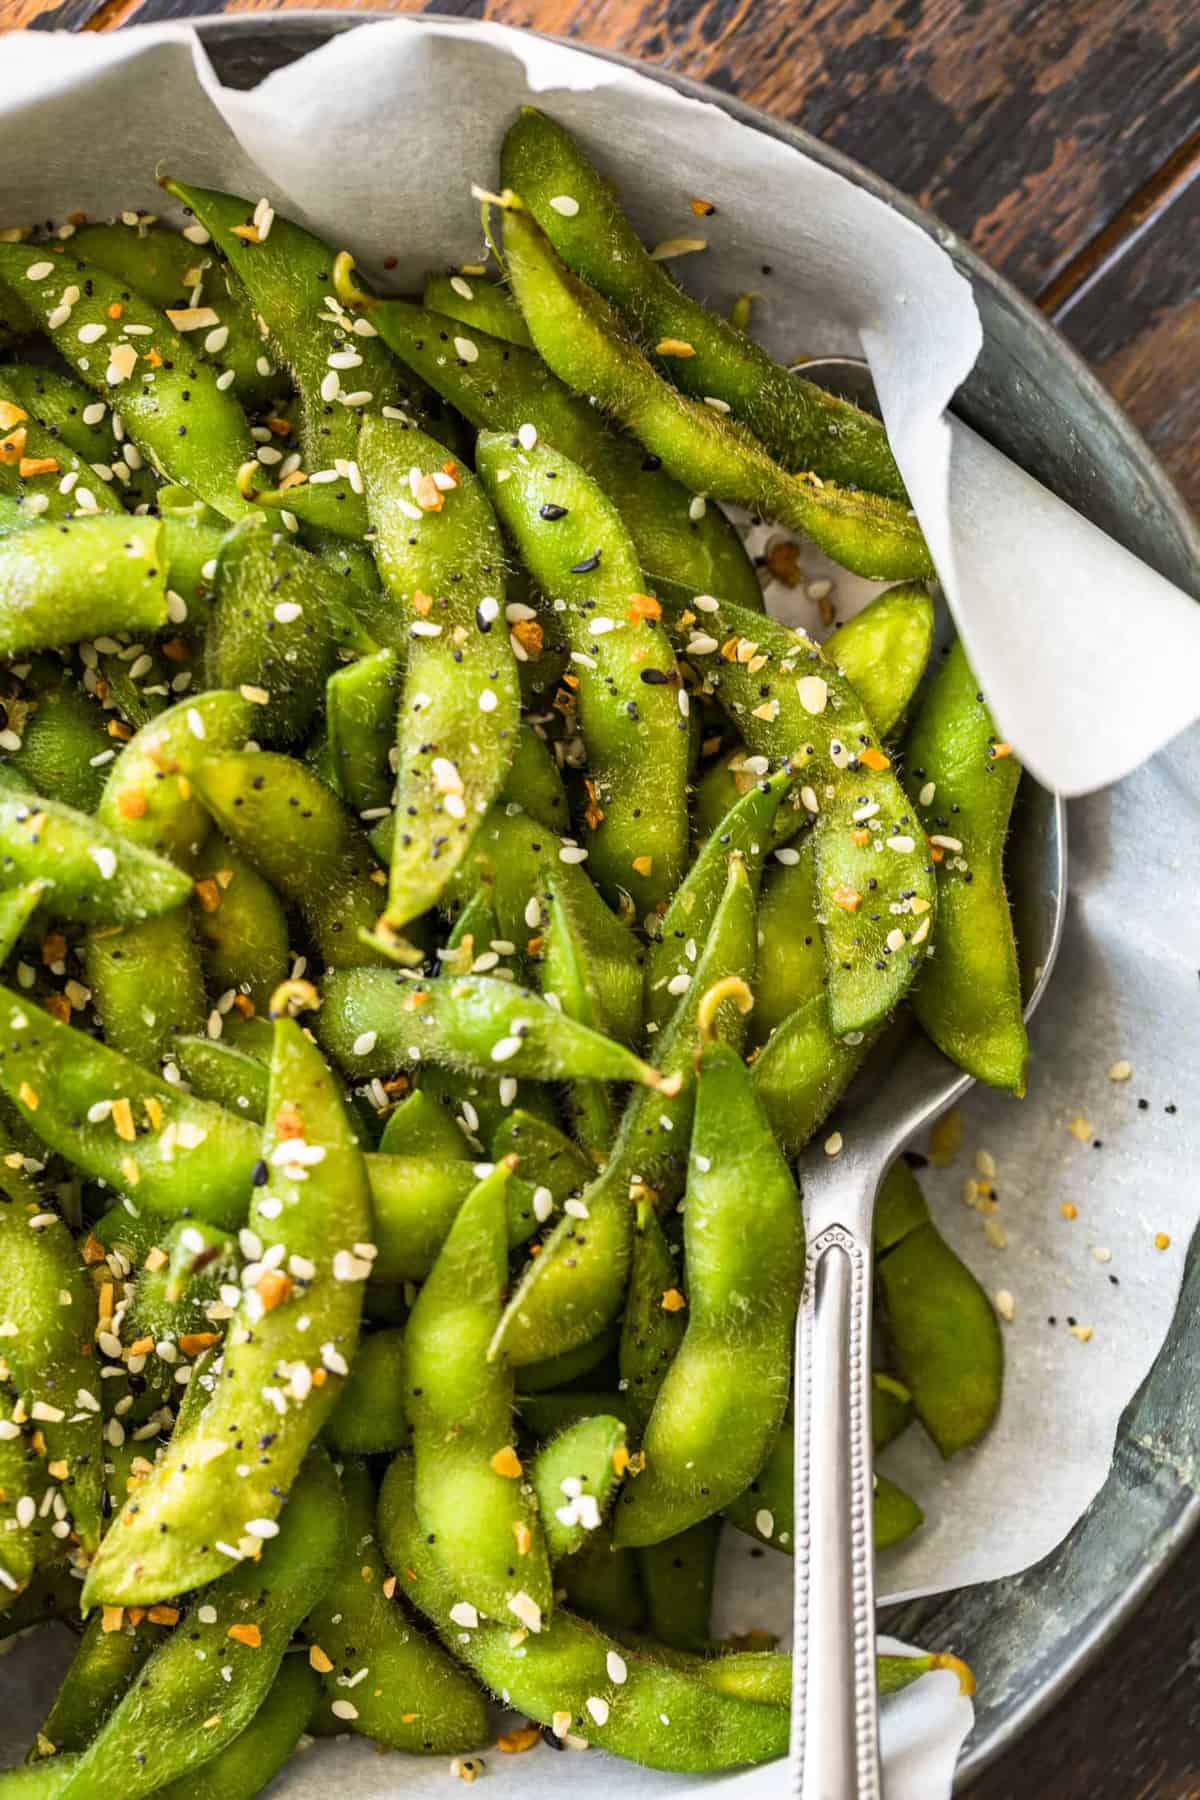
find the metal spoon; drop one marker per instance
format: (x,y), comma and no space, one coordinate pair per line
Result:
(902,1089)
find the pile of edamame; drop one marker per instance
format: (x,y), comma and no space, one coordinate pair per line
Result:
(437,902)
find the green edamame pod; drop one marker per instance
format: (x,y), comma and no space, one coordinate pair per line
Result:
(791,957)
(677,1577)
(25,1536)
(652,1325)
(883,651)
(964,780)
(575,1287)
(148,796)
(765,1510)
(573,541)
(468,1488)
(583,340)
(300,837)
(722,1399)
(747,828)
(247,1765)
(558,1372)
(503,386)
(422,1126)
(41,479)
(17,907)
(104,1665)
(372,1413)
(546,1414)
(765,1676)
(534,782)
(175,272)
(241,925)
(874,876)
(147,983)
(891,1409)
(53,1594)
(92,876)
(415,1697)
(575,1477)
(222,1073)
(562,1668)
(483,304)
(803,426)
(80,579)
(45,1345)
(942,1332)
(416,1199)
(181,1712)
(307,1304)
(603,1584)
(341,371)
(546,1157)
(63,738)
(361,702)
(277,624)
(73,416)
(564,974)
(803,1070)
(151,374)
(374,1022)
(443,570)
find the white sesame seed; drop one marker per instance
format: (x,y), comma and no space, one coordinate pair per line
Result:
(343,1709)
(38,271)
(464,1614)
(834,1143)
(598,1708)
(565,204)
(466,350)
(365,1042)
(288,611)
(946,843)
(764,1522)
(104,859)
(927,792)
(527,436)
(572,853)
(901,844)
(697,507)
(504,1048)
(217,340)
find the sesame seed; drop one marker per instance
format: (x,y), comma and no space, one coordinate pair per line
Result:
(1004,1303)
(565,204)
(834,1143)
(901,844)
(764,1522)
(38,271)
(1120,1071)
(365,1042)
(466,350)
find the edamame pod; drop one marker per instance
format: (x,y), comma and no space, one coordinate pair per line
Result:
(414,1697)
(443,570)
(248,1764)
(574,1675)
(766,1509)
(341,371)
(361,702)
(468,1488)
(803,426)
(534,782)
(422,1126)
(224,1074)
(175,272)
(572,540)
(65,748)
(677,1578)
(722,1399)
(128,352)
(942,1332)
(277,624)
(49,1319)
(299,836)
(147,984)
(504,386)
(483,304)
(121,1125)
(581,337)
(303,1310)
(372,1414)
(964,781)
(105,1664)
(181,1712)
(92,876)
(575,1478)
(41,479)
(374,1022)
(803,1070)
(80,579)
(241,924)
(575,1286)
(652,1325)
(415,1201)
(875,878)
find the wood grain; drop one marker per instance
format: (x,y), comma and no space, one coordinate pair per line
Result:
(1025,123)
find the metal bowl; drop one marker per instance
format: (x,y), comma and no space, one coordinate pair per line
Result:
(1032,397)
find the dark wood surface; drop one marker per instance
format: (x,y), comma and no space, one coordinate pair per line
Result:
(1062,139)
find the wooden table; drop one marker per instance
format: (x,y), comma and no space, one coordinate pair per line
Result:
(1062,138)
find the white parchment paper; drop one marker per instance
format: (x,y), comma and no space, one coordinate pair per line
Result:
(374,141)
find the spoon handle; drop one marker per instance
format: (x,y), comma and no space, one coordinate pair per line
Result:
(835,1704)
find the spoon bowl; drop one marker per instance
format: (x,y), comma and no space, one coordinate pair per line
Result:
(903,1087)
